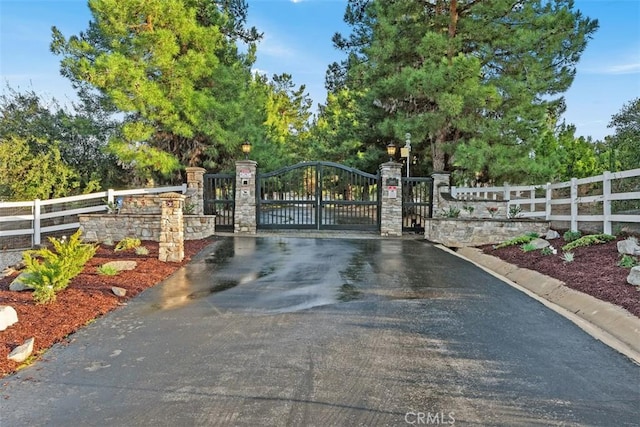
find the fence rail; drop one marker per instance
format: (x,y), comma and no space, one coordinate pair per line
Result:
(40,217)
(607,198)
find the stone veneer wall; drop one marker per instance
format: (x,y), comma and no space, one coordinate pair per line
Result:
(460,232)
(147,204)
(101,227)
(198,227)
(479,207)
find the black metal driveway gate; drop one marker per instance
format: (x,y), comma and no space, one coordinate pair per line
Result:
(417,203)
(318,196)
(219,199)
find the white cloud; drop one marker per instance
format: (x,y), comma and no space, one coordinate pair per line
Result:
(259,71)
(272,47)
(623,69)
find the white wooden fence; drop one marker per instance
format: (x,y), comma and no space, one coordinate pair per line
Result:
(579,200)
(31,218)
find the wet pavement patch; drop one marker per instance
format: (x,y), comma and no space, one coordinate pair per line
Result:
(287,274)
(219,287)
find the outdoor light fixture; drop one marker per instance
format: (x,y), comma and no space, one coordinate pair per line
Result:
(246,149)
(391,151)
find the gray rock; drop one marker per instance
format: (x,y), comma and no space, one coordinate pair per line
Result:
(120,292)
(552,234)
(121,265)
(634,276)
(629,246)
(20,353)
(8,316)
(540,243)
(18,285)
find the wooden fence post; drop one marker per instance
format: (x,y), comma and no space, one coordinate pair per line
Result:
(574,204)
(548,198)
(606,194)
(36,222)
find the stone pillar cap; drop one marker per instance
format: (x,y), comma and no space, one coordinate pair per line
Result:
(391,165)
(195,169)
(171,195)
(246,162)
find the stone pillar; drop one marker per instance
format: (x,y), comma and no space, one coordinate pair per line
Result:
(244,220)
(171,228)
(441,184)
(391,202)
(195,189)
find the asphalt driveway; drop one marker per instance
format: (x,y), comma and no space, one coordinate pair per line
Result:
(319,332)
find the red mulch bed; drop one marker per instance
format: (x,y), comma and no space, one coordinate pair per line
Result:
(594,270)
(88,296)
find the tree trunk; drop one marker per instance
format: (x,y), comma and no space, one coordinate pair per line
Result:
(438,158)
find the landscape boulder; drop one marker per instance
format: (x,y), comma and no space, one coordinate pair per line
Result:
(552,234)
(539,243)
(8,316)
(18,284)
(634,276)
(120,292)
(22,352)
(629,246)
(121,265)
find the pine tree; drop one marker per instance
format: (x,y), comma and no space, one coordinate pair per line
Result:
(174,68)
(463,75)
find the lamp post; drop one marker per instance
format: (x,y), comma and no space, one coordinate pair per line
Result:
(391,151)
(407,147)
(246,149)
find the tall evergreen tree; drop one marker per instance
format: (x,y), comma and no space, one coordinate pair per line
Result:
(174,68)
(625,143)
(463,76)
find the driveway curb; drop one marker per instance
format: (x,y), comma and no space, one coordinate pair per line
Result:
(612,325)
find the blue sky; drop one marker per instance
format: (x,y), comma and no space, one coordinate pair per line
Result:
(297,40)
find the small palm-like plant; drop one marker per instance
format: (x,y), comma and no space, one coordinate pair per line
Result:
(107,270)
(127,243)
(142,250)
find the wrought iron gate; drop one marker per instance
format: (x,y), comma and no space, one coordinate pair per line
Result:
(219,199)
(319,196)
(417,203)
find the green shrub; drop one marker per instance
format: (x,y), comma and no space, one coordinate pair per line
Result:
(452,212)
(520,240)
(127,243)
(189,209)
(588,240)
(570,236)
(528,247)
(514,211)
(568,256)
(107,270)
(142,250)
(547,251)
(627,261)
(48,272)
